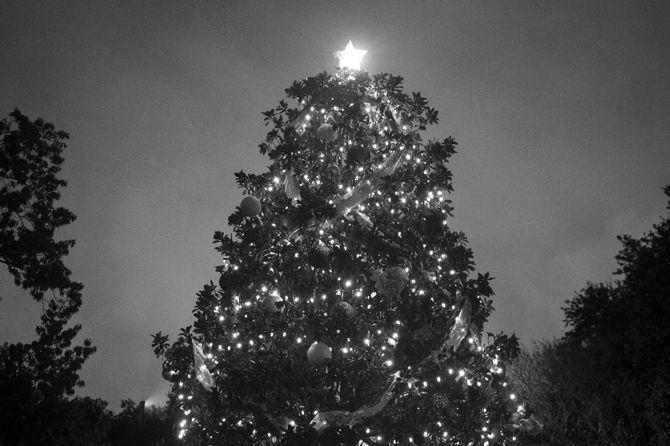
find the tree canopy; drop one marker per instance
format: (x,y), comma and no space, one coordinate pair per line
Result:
(36,376)
(606,381)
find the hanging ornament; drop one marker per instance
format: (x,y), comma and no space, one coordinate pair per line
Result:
(326,133)
(318,353)
(318,256)
(250,207)
(223,281)
(291,187)
(168,371)
(391,282)
(460,328)
(202,373)
(500,372)
(343,313)
(270,303)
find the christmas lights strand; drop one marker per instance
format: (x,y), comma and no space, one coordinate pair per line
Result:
(323,420)
(299,120)
(278,423)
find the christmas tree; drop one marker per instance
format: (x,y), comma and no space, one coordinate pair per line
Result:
(347,311)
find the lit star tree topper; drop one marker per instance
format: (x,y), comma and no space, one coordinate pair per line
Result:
(350,57)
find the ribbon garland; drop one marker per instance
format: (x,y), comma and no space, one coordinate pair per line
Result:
(291,187)
(368,186)
(324,420)
(460,328)
(202,373)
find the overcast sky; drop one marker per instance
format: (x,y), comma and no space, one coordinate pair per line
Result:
(561,109)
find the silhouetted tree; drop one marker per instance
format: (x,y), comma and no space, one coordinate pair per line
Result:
(36,377)
(607,382)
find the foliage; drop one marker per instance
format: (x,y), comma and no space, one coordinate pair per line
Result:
(606,381)
(35,377)
(77,421)
(576,403)
(352,248)
(137,425)
(30,160)
(58,422)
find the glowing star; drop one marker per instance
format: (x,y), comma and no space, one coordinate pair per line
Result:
(350,57)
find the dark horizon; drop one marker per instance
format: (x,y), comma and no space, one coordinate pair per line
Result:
(560,111)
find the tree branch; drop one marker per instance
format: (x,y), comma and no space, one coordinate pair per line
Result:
(260,410)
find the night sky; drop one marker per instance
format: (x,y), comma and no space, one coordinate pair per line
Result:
(561,109)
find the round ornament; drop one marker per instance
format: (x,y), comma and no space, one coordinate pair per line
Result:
(250,207)
(270,303)
(168,373)
(499,372)
(391,282)
(231,279)
(343,312)
(318,353)
(326,133)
